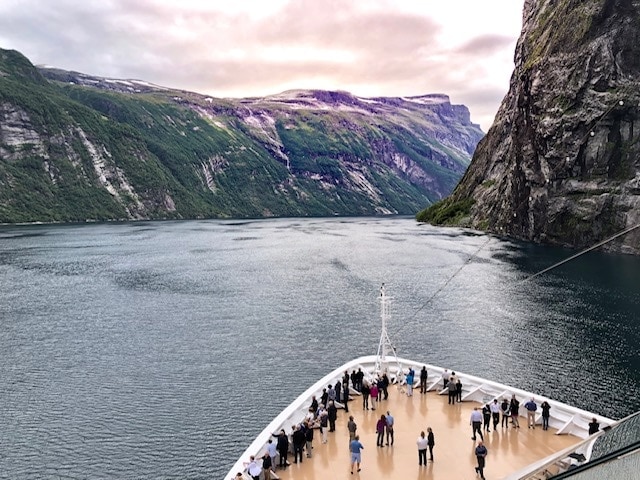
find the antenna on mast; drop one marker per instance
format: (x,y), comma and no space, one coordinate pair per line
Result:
(385,347)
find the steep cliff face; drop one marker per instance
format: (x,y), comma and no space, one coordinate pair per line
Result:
(75,147)
(561,163)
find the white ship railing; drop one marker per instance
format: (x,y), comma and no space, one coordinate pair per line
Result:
(565,418)
(564,460)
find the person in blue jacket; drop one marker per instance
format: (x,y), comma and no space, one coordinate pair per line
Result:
(356,457)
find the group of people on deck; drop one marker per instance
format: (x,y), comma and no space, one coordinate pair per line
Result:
(372,391)
(322,415)
(510,410)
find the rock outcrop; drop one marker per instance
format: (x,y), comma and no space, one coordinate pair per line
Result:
(561,163)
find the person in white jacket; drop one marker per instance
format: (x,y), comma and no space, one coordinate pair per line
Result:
(423,444)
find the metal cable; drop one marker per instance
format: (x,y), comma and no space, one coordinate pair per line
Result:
(604,242)
(430,299)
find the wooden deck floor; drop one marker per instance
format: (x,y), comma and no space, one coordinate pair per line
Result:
(509,449)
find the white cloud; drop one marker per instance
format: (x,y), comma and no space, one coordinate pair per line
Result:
(463,48)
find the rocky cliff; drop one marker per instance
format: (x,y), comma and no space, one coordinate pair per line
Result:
(75,147)
(561,163)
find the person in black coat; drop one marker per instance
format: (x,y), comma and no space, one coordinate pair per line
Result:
(385,385)
(282,446)
(332,416)
(308,436)
(594,426)
(486,416)
(345,396)
(266,466)
(298,439)
(366,391)
(314,404)
(424,375)
(324,398)
(430,442)
(359,379)
(545,415)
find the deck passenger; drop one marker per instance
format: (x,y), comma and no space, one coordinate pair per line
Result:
(486,417)
(283,447)
(298,437)
(356,457)
(331,394)
(381,426)
(324,422)
(352,427)
(338,389)
(431,442)
(445,378)
(410,379)
(424,375)
(345,396)
(253,468)
(324,398)
(514,408)
(272,450)
(384,386)
(359,379)
(365,390)
(266,466)
(531,408)
(594,426)
(545,414)
(308,437)
(310,416)
(452,389)
(423,444)
(390,424)
(481,453)
(458,390)
(332,416)
(476,423)
(374,395)
(495,413)
(506,413)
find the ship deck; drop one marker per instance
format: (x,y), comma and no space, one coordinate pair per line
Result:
(509,449)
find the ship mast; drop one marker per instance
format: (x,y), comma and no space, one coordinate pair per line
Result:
(385,347)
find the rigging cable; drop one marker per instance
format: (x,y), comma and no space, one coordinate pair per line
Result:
(586,250)
(430,299)
(562,262)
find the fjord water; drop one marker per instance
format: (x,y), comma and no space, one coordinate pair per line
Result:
(160,349)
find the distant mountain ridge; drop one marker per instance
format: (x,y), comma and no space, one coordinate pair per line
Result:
(76,147)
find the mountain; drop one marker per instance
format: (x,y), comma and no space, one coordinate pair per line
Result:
(75,147)
(561,163)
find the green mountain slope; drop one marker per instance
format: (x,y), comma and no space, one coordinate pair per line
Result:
(75,147)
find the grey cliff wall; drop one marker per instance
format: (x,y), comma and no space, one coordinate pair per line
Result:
(561,162)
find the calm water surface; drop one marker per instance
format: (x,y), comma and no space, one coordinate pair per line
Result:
(159,350)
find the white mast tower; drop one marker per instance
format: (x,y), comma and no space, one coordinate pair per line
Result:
(385,346)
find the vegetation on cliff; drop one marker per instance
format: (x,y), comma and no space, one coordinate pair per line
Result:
(75,147)
(446,212)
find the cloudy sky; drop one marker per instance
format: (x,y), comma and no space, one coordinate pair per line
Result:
(237,48)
